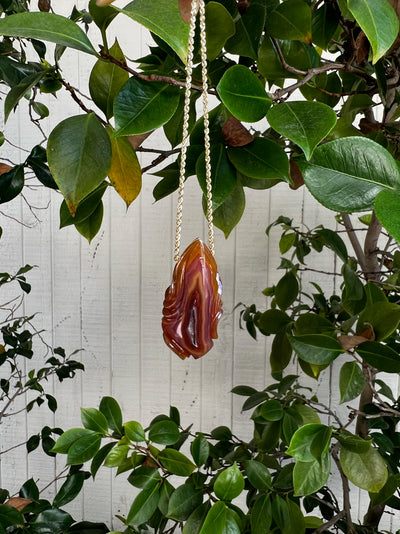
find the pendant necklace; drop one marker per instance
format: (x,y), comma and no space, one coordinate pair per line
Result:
(192,303)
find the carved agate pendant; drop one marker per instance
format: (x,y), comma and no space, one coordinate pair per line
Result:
(193,304)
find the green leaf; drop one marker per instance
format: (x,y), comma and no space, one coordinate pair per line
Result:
(144,506)
(333,241)
(383,316)
(174,127)
(176,462)
(261,159)
(228,214)
(388,212)
(10,516)
(215,520)
(324,23)
(261,515)
(379,22)
(111,410)
(243,94)
(142,106)
(83,449)
(70,489)
(258,475)
(316,348)
(99,458)
(346,174)
(353,442)
(163,19)
(46,27)
(116,456)
(304,123)
(290,20)
(380,356)
(367,471)
(229,483)
(106,80)
(271,410)
(69,437)
(184,500)
(273,321)
(281,352)
(219,27)
(296,53)
(79,155)
(85,209)
(94,420)
(196,519)
(90,227)
(59,520)
(249,27)
(309,477)
(287,516)
(102,16)
(164,432)
(11,183)
(351,381)
(286,290)
(310,442)
(200,450)
(144,477)
(223,175)
(134,431)
(19,91)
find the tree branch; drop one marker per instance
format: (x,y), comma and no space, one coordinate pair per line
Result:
(354,241)
(346,490)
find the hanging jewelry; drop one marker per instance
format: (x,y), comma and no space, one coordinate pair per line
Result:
(193,304)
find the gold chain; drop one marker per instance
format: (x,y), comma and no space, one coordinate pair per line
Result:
(197,5)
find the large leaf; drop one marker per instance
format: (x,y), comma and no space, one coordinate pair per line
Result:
(11,183)
(351,381)
(229,483)
(143,106)
(304,123)
(379,22)
(310,442)
(163,19)
(316,348)
(380,356)
(183,501)
(290,20)
(79,156)
(261,159)
(110,408)
(346,174)
(176,462)
(70,489)
(387,209)
(196,519)
(229,213)
(243,94)
(93,419)
(164,432)
(383,316)
(125,173)
(84,449)
(367,471)
(144,506)
(51,521)
(219,27)
(249,27)
(223,175)
(46,27)
(10,517)
(309,477)
(258,475)
(215,520)
(106,79)
(68,438)
(102,16)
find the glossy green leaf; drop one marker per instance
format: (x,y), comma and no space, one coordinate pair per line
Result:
(37,161)
(368,471)
(223,175)
(310,442)
(144,506)
(164,432)
(69,437)
(287,516)
(134,431)
(102,16)
(384,317)
(346,175)
(69,489)
(296,53)
(110,408)
(309,477)
(79,156)
(324,23)
(59,520)
(196,519)
(387,209)
(353,442)
(273,321)
(90,227)
(271,410)
(174,127)
(144,477)
(326,88)
(333,241)
(99,458)
(286,290)
(10,517)
(200,450)
(316,349)
(106,80)
(258,475)
(304,123)
(351,381)
(19,91)
(249,27)
(116,456)
(219,27)
(11,183)
(261,515)
(379,22)
(281,353)
(94,420)
(228,214)
(85,209)
(215,520)
(163,19)
(84,449)
(380,356)
(229,483)
(243,94)
(262,159)
(46,27)
(290,20)
(142,106)
(176,462)
(183,501)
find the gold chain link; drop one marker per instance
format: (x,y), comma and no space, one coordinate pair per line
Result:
(197,5)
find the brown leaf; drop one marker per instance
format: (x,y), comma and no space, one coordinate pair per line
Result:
(235,134)
(295,175)
(44,5)
(362,48)
(137,140)
(185,7)
(18,502)
(4,168)
(242,5)
(368,333)
(367,126)
(350,342)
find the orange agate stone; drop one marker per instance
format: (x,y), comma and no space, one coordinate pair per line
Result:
(193,304)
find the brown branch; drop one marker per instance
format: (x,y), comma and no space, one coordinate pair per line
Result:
(330,523)
(354,241)
(371,248)
(346,490)
(72,91)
